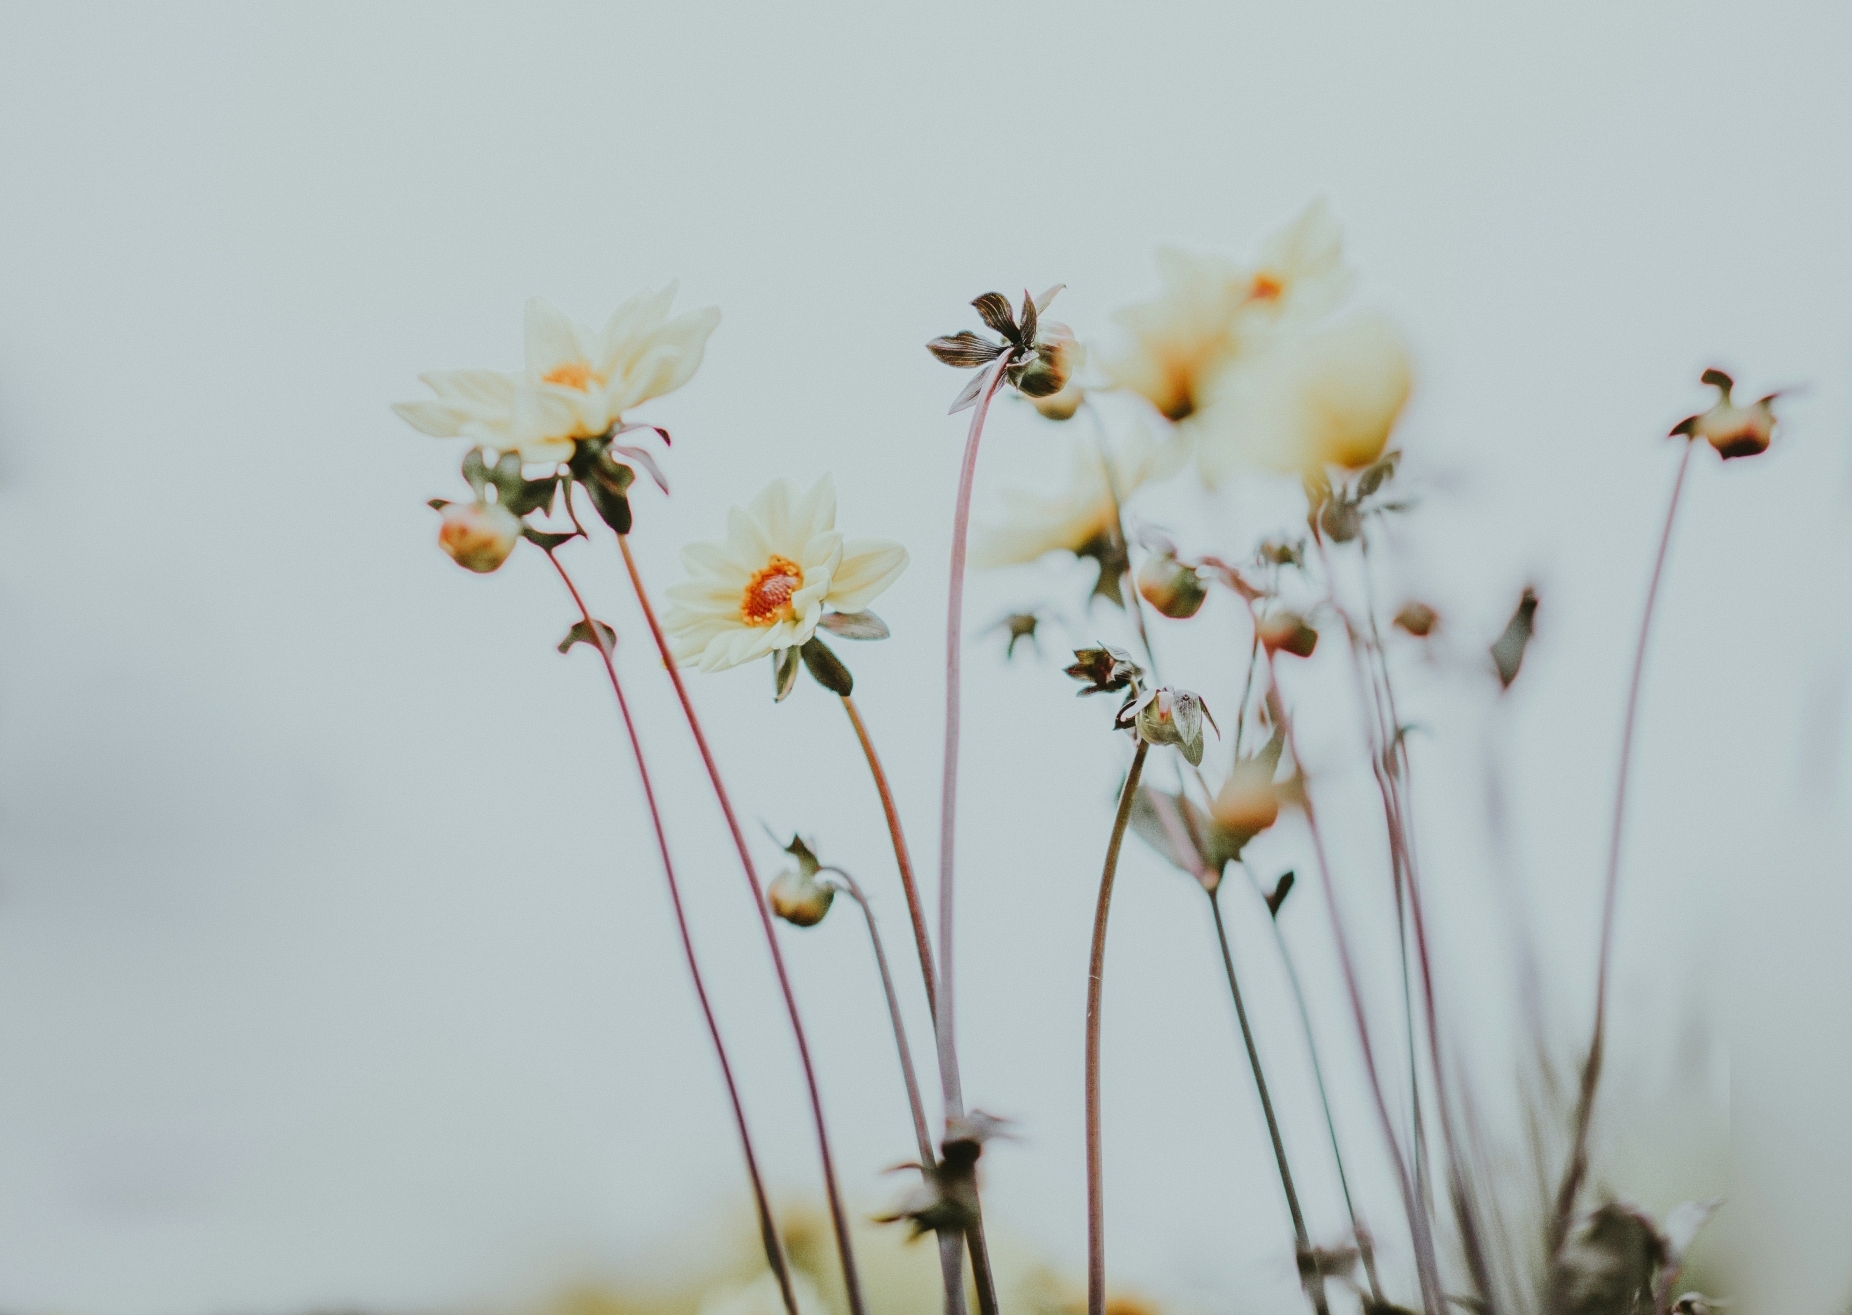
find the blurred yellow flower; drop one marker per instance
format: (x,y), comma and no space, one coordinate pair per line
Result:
(1078,519)
(765,587)
(578,382)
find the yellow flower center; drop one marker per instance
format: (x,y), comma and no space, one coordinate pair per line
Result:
(573,374)
(1266,287)
(767,597)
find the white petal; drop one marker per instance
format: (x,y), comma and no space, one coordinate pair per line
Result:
(439,418)
(544,416)
(552,338)
(474,388)
(771,511)
(661,362)
(639,313)
(746,537)
(868,567)
(815,513)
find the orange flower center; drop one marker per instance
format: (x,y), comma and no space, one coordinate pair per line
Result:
(1265,288)
(767,597)
(573,374)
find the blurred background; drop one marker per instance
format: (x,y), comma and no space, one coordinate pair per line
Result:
(335,964)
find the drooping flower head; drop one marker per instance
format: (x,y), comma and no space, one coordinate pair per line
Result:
(1735,431)
(578,382)
(1039,356)
(765,588)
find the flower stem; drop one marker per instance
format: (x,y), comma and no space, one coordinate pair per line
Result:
(839,1218)
(1577,1168)
(902,857)
(1365,1247)
(768,1231)
(1096,990)
(1312,1279)
(1136,604)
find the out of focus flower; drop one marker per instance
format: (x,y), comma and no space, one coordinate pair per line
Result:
(1104,669)
(578,382)
(765,587)
(1019,626)
(1067,356)
(1508,648)
(798,895)
(1249,800)
(1082,520)
(478,535)
(1418,619)
(1735,431)
(1170,716)
(1211,311)
(1173,588)
(1328,398)
(1287,632)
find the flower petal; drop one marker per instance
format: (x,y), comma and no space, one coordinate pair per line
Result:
(552,338)
(868,567)
(439,418)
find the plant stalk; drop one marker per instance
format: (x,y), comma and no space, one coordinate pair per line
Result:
(768,1231)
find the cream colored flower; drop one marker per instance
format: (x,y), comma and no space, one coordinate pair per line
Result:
(766,586)
(1329,397)
(1212,311)
(1078,519)
(578,382)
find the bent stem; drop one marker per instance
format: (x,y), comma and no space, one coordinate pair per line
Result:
(1309,1275)
(768,1231)
(1577,1168)
(839,1218)
(1366,1250)
(1096,990)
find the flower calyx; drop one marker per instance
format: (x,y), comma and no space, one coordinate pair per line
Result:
(1038,359)
(1735,431)
(1169,716)
(799,895)
(819,659)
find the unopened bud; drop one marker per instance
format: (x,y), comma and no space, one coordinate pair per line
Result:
(1418,619)
(1057,356)
(478,535)
(1248,802)
(1287,632)
(1174,589)
(799,898)
(1174,717)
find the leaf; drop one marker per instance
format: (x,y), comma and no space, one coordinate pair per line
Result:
(645,460)
(1281,889)
(607,483)
(437,504)
(1372,478)
(965,350)
(525,496)
(582,634)
(968,397)
(995,309)
(1158,821)
(660,432)
(1508,651)
(475,471)
(855,625)
(1028,318)
(546,540)
(1717,379)
(784,674)
(507,472)
(1687,426)
(827,668)
(613,508)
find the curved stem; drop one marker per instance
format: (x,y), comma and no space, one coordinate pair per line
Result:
(948,791)
(768,1231)
(903,859)
(1365,1249)
(1313,1280)
(1577,1168)
(1096,990)
(839,1218)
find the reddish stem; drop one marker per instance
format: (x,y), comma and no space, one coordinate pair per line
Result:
(839,1218)
(768,1232)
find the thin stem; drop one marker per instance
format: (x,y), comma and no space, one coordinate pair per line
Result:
(1313,1290)
(839,1217)
(946,1022)
(1247,692)
(1096,990)
(768,1231)
(1364,1247)
(1577,1168)
(902,857)
(1136,605)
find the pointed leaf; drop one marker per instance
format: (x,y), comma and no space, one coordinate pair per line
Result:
(967,397)
(546,539)
(1042,302)
(1028,318)
(659,431)
(582,634)
(475,471)
(1687,426)
(827,668)
(524,496)
(437,504)
(1508,651)
(784,673)
(1281,889)
(645,460)
(995,309)
(965,350)
(855,625)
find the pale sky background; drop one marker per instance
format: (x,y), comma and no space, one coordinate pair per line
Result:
(335,966)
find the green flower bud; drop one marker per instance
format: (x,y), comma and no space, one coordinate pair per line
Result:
(1174,589)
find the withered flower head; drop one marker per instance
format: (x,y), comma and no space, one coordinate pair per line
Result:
(1286,631)
(1418,619)
(1039,358)
(797,895)
(1170,716)
(1169,585)
(1735,431)
(1104,669)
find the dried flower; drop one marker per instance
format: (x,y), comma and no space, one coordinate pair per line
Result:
(1104,669)
(577,383)
(796,894)
(478,535)
(1735,431)
(1172,587)
(1038,356)
(1170,716)
(1418,619)
(764,588)
(1286,631)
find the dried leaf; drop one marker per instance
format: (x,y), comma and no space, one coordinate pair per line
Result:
(994,307)
(854,625)
(1028,318)
(645,460)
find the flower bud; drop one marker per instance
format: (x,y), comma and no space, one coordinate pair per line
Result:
(799,898)
(1418,619)
(478,535)
(1735,431)
(1174,589)
(1288,632)
(1248,802)
(1173,717)
(1058,354)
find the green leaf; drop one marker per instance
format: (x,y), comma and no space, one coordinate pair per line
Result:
(827,668)
(438,504)
(475,471)
(582,634)
(528,495)
(546,540)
